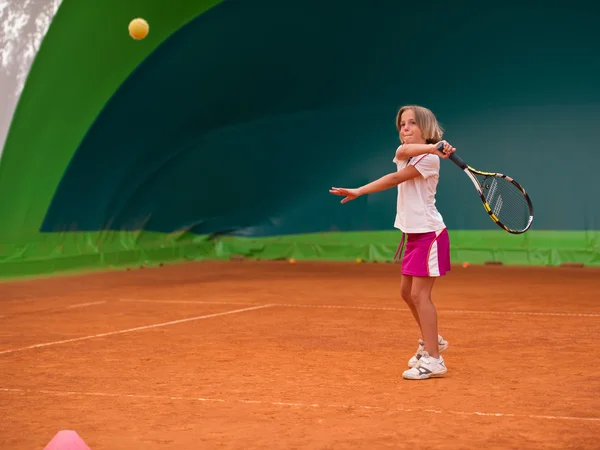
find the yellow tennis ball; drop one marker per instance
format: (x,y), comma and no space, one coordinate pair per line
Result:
(138,28)
(465,264)
(358,260)
(292,260)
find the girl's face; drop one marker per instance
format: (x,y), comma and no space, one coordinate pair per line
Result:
(410,133)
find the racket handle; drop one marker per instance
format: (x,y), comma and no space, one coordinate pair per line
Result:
(453,157)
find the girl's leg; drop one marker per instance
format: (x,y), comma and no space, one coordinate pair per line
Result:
(426,313)
(406,284)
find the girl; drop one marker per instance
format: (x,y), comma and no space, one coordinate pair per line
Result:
(427,254)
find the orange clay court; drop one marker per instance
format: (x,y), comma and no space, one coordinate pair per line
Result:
(242,354)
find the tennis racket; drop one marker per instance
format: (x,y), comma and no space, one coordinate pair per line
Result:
(505,200)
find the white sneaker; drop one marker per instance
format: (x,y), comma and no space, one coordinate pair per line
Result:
(442,346)
(426,367)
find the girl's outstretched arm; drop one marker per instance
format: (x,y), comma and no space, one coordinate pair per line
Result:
(385,182)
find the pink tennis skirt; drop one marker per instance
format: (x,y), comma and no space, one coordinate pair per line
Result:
(426,254)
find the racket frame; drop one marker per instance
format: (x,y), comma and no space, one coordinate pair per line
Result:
(470,171)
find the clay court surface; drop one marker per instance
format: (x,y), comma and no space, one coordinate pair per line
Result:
(230,355)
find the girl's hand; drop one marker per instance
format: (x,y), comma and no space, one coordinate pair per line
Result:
(350,194)
(446,151)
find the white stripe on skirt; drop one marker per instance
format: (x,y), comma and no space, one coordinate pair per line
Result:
(433,260)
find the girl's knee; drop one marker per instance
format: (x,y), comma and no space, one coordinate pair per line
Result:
(420,297)
(406,295)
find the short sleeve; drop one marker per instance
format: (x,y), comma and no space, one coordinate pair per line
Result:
(427,165)
(395,160)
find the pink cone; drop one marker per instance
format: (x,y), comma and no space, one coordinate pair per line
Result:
(66,440)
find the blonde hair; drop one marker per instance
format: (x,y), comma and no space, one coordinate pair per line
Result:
(426,121)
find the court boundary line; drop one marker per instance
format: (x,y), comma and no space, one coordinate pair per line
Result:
(83,305)
(297,404)
(193,302)
(54,309)
(366,308)
(130,330)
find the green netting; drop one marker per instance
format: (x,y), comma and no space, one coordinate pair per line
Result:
(76,252)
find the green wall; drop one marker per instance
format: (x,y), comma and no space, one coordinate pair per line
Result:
(249,133)
(237,118)
(86,55)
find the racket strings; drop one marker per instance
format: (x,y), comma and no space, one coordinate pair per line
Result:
(507,202)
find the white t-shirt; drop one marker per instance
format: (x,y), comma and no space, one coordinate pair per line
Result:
(416,210)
